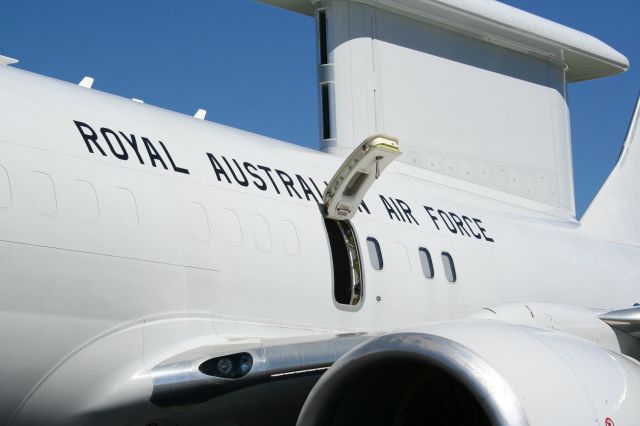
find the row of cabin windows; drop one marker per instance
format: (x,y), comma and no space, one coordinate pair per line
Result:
(375,254)
(45,198)
(89,209)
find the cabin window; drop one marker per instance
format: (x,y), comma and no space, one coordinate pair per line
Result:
(322,37)
(230,227)
(44,193)
(289,236)
(199,222)
(87,201)
(425,262)
(5,188)
(449,267)
(127,208)
(326,112)
(261,232)
(398,259)
(345,255)
(375,254)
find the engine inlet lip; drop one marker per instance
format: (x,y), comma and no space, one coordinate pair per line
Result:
(492,391)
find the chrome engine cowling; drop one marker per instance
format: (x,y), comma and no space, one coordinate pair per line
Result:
(477,372)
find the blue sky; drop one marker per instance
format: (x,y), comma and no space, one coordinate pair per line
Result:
(253,66)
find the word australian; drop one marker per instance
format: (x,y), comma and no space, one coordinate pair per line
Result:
(267,179)
(125,146)
(106,142)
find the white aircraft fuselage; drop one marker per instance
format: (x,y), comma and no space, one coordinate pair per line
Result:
(128,226)
(157,269)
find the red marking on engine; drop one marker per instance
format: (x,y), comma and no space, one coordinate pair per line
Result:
(608,422)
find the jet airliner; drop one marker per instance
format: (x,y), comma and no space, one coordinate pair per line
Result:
(426,266)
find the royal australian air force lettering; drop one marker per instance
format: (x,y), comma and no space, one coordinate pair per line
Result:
(125,146)
(108,142)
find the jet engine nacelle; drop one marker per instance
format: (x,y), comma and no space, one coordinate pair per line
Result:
(479,372)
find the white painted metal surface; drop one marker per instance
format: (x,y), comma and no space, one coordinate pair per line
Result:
(501,24)
(131,236)
(465,99)
(613,212)
(543,365)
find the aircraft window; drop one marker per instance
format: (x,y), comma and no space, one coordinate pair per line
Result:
(289,237)
(86,201)
(261,232)
(199,222)
(44,193)
(230,226)
(425,261)
(374,253)
(398,259)
(5,188)
(449,267)
(326,112)
(127,208)
(347,272)
(322,37)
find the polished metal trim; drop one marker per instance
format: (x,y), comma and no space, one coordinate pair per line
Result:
(625,320)
(355,264)
(492,391)
(178,382)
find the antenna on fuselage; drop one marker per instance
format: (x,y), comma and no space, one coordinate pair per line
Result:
(200,114)
(5,60)
(86,82)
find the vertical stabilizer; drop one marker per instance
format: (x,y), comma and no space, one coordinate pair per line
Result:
(473,89)
(614,210)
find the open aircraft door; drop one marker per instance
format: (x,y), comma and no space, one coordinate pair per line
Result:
(355,176)
(342,199)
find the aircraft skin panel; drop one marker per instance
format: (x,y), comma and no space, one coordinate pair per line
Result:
(181,244)
(612,213)
(461,105)
(588,56)
(181,136)
(156,212)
